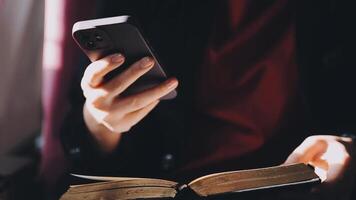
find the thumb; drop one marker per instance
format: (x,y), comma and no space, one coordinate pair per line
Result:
(293,158)
(307,151)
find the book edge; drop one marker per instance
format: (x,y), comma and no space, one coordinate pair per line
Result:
(244,170)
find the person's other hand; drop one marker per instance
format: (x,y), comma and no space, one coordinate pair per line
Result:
(105,111)
(331,157)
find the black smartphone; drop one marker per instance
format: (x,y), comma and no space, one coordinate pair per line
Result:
(101,37)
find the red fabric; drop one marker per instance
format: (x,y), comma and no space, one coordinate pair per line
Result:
(248,81)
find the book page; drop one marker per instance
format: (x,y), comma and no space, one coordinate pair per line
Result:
(105,178)
(108,181)
(254,179)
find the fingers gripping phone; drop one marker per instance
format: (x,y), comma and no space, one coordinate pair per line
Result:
(101,37)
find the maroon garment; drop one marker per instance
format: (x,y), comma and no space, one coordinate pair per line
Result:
(248,82)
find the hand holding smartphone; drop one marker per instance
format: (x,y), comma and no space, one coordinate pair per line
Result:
(125,80)
(101,37)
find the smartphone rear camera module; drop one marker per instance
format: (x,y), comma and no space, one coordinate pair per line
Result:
(94,39)
(90,45)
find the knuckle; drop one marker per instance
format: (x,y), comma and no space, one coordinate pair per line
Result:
(98,103)
(95,69)
(101,93)
(84,85)
(85,94)
(98,97)
(90,70)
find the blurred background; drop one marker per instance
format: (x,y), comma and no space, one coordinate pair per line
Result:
(34,79)
(35,37)
(22,36)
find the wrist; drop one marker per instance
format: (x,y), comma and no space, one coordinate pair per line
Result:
(104,139)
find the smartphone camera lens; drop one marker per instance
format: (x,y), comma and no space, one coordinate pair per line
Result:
(93,39)
(98,38)
(90,44)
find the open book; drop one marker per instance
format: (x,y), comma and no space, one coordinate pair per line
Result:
(206,186)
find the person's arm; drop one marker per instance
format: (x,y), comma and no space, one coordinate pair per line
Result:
(91,134)
(107,114)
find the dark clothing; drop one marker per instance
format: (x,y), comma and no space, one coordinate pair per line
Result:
(176,28)
(246,88)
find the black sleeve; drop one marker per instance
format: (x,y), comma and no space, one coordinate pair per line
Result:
(139,152)
(77,142)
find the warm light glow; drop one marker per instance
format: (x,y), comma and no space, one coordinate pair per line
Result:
(52,47)
(327,154)
(335,154)
(53,36)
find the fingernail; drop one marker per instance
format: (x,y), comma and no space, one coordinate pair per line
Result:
(172,84)
(116,58)
(147,62)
